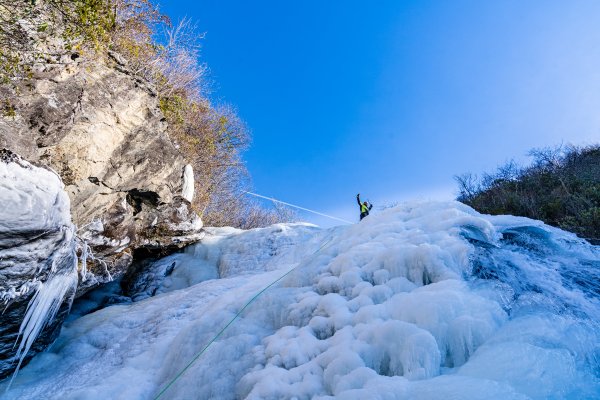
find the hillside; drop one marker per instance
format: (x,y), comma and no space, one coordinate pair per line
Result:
(561,187)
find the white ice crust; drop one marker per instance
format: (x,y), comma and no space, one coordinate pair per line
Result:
(37,247)
(31,198)
(390,308)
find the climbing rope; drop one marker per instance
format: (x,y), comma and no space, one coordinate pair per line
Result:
(298,207)
(214,339)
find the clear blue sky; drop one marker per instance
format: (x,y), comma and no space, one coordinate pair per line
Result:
(393,98)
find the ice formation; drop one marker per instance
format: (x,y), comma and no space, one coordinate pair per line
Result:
(37,248)
(187,192)
(421,301)
(42,310)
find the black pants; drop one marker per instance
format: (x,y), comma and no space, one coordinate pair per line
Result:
(362,215)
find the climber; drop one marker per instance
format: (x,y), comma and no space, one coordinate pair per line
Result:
(364,207)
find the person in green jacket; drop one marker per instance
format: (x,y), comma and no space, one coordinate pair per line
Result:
(364,207)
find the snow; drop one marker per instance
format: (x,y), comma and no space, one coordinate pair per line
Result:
(421,301)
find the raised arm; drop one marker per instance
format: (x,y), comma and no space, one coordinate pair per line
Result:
(358,199)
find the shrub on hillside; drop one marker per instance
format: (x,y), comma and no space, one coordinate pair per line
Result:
(561,187)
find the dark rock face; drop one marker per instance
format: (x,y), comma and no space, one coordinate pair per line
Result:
(101,129)
(37,258)
(144,230)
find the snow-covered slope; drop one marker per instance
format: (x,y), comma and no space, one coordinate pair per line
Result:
(422,301)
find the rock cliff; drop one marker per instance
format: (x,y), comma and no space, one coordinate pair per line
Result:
(101,128)
(99,182)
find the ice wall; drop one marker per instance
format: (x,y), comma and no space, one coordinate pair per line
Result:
(422,301)
(37,258)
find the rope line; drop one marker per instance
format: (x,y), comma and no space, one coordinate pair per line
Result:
(214,339)
(298,207)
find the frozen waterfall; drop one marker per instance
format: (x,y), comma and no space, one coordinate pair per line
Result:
(421,301)
(38,265)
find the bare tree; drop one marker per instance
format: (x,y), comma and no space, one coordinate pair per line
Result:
(468,186)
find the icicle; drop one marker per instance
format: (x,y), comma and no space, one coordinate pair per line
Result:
(85,253)
(46,301)
(188,183)
(42,309)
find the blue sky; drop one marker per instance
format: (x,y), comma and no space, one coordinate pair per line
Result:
(393,98)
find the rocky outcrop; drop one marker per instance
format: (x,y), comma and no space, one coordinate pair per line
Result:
(101,128)
(38,267)
(102,181)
